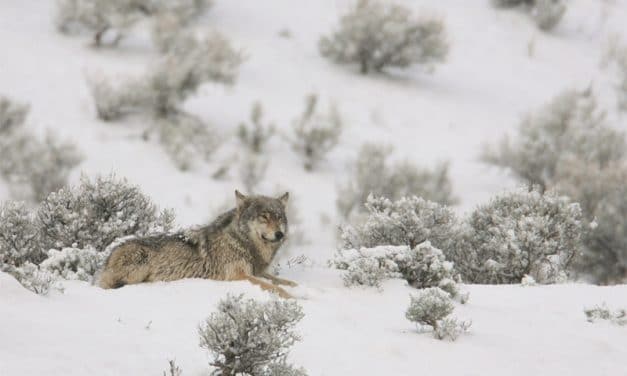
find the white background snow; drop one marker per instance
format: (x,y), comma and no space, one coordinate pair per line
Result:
(478,95)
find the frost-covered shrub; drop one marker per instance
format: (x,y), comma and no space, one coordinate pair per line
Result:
(95,213)
(519,233)
(173,369)
(616,56)
(374,174)
(432,307)
(19,236)
(602,194)
(377,34)
(570,126)
(191,62)
(423,266)
(257,134)
(568,146)
(33,167)
(100,17)
(247,337)
(315,134)
(408,221)
(252,171)
(108,20)
(602,312)
(186,139)
(546,13)
(12,114)
(429,306)
(451,328)
(32,277)
(73,263)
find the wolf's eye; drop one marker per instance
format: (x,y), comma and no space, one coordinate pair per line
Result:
(264,217)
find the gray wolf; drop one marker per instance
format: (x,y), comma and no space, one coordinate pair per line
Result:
(239,245)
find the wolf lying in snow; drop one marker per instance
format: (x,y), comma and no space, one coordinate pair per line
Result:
(238,245)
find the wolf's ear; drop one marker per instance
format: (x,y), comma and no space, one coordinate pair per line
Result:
(284,198)
(239,198)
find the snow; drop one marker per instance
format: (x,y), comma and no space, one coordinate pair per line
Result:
(488,82)
(516,330)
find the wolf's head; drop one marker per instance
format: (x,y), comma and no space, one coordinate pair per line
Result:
(263,218)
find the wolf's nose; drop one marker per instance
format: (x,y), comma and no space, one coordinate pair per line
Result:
(278,235)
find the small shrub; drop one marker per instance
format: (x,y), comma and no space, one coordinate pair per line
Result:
(252,171)
(546,13)
(313,134)
(602,312)
(109,20)
(429,307)
(408,221)
(177,75)
(375,175)
(256,135)
(173,370)
(73,263)
(519,233)
(423,266)
(432,307)
(185,138)
(450,328)
(95,213)
(32,167)
(19,236)
(377,35)
(568,146)
(32,277)
(251,338)
(12,114)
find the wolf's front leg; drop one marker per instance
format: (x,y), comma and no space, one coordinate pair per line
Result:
(278,281)
(264,285)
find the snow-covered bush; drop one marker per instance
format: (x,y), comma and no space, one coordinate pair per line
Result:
(19,236)
(186,139)
(423,266)
(32,277)
(376,34)
(33,167)
(519,233)
(407,221)
(451,328)
(252,170)
(173,369)
(602,312)
(100,17)
(95,213)
(602,194)
(247,337)
(12,114)
(546,13)
(374,174)
(192,62)
(109,20)
(568,146)
(570,126)
(73,263)
(429,306)
(256,135)
(315,134)
(616,56)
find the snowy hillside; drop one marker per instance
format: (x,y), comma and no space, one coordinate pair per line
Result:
(500,66)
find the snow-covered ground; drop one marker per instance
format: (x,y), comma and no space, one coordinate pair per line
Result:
(488,82)
(537,330)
